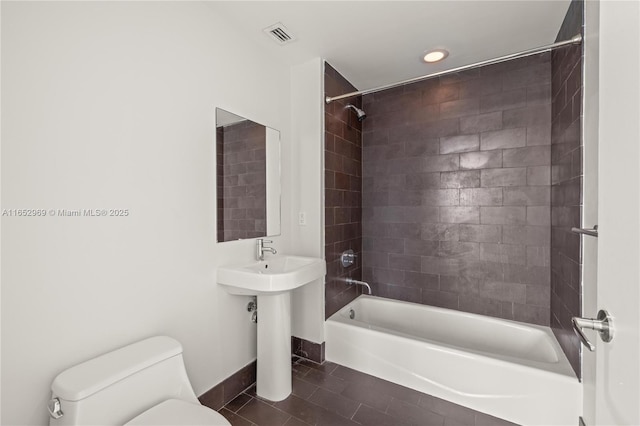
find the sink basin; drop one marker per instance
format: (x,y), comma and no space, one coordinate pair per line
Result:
(273,275)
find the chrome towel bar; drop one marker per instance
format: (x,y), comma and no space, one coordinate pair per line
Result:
(592,232)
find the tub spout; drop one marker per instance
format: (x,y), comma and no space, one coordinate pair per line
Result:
(351,281)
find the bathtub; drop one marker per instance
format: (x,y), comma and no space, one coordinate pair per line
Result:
(507,369)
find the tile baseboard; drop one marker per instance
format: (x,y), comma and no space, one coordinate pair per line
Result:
(307,349)
(225,391)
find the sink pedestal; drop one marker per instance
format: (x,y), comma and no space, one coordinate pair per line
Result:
(273,380)
(272,281)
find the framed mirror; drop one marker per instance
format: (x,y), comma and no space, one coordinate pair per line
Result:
(247,178)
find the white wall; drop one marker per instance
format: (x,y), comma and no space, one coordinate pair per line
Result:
(111,105)
(307,113)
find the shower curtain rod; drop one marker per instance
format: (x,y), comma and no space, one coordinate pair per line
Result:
(574,40)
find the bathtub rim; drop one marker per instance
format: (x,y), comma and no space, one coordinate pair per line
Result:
(561,367)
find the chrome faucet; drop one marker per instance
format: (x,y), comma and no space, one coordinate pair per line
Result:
(351,281)
(260,248)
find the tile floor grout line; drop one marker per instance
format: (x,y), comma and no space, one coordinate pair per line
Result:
(355,412)
(312,393)
(391,398)
(327,409)
(248,400)
(243,418)
(386,407)
(323,408)
(289,414)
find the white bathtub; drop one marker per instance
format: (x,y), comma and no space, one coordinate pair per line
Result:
(507,369)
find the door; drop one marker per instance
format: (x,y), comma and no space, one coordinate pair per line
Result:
(612,200)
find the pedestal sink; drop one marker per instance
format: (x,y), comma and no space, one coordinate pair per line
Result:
(272,280)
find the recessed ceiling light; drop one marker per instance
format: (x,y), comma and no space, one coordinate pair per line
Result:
(435,55)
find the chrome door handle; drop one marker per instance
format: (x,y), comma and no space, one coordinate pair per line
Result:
(603,325)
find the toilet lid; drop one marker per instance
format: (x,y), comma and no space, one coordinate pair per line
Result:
(175,412)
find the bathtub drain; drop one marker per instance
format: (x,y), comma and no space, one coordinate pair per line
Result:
(352,313)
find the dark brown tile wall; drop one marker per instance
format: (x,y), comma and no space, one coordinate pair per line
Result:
(242,174)
(343,192)
(456,195)
(566,189)
(220,182)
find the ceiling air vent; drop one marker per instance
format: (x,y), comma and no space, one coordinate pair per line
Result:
(279,33)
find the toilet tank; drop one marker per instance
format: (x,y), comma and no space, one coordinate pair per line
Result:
(115,387)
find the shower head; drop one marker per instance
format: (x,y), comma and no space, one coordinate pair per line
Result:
(361,114)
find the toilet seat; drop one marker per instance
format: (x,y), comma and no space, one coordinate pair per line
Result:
(175,412)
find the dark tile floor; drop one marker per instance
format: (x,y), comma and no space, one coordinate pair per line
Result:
(333,395)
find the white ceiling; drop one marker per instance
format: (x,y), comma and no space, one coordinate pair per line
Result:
(373,43)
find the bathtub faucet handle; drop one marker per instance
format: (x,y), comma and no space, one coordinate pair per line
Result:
(348,258)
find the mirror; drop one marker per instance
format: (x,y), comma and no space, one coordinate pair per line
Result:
(247,178)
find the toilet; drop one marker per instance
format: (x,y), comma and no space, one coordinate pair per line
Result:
(144,383)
